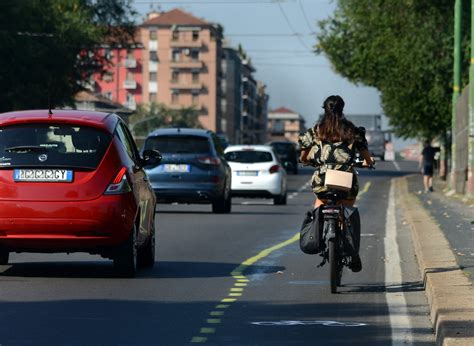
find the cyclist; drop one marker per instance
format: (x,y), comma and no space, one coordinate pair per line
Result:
(333,143)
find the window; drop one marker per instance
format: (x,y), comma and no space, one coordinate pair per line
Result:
(152,97)
(175,35)
(108,77)
(278,127)
(153,35)
(152,77)
(179,144)
(130,55)
(127,140)
(194,55)
(195,99)
(250,156)
(195,77)
(195,35)
(66,145)
(176,55)
(175,76)
(174,97)
(153,56)
(108,95)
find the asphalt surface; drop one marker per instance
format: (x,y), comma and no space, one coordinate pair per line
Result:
(455,218)
(237,279)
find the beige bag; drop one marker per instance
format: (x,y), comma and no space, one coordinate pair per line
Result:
(338,180)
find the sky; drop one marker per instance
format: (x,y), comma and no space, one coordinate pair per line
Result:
(296,78)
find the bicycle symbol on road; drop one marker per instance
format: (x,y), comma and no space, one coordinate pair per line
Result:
(309,323)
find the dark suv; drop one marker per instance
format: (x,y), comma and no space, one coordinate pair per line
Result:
(287,154)
(192,169)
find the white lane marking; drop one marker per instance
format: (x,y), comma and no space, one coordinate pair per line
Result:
(367,235)
(397,305)
(309,323)
(397,167)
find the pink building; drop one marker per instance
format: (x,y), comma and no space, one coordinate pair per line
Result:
(182,64)
(123,82)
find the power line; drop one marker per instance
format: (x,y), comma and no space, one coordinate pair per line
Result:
(305,17)
(292,28)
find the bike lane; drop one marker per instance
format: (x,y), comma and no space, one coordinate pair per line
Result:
(295,306)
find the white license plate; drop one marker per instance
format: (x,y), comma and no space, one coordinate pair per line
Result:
(172,168)
(42,175)
(247,173)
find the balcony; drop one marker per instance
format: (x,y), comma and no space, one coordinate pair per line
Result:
(187,64)
(129,84)
(186,44)
(185,86)
(130,63)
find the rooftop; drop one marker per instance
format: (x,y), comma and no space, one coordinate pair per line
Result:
(175,17)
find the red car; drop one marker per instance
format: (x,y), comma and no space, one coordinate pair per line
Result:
(73,181)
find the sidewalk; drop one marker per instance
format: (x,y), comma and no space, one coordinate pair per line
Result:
(443,234)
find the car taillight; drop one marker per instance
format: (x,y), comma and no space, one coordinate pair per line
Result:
(120,184)
(274,169)
(209,160)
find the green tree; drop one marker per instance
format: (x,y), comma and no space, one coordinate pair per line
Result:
(50,48)
(404,49)
(149,117)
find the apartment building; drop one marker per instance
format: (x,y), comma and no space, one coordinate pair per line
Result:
(285,124)
(231,102)
(123,82)
(182,64)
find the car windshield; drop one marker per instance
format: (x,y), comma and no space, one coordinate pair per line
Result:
(374,136)
(52,145)
(181,144)
(250,156)
(283,148)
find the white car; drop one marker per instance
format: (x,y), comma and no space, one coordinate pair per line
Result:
(256,172)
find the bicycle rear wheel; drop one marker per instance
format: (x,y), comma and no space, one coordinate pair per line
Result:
(335,265)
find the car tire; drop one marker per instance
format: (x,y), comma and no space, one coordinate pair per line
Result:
(4,256)
(280,200)
(125,259)
(146,255)
(223,205)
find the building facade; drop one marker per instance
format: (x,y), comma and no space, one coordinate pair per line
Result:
(182,64)
(285,124)
(123,82)
(232,100)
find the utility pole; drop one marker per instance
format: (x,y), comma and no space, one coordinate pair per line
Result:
(454,176)
(470,182)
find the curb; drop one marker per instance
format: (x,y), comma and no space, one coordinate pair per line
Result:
(450,293)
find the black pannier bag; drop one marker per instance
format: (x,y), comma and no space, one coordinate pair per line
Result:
(311,232)
(351,233)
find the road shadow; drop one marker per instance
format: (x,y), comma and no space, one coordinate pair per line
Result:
(411,286)
(105,270)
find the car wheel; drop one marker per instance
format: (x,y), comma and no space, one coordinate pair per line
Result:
(223,205)
(4,256)
(125,259)
(146,255)
(280,200)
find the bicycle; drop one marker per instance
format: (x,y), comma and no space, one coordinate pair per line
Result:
(335,222)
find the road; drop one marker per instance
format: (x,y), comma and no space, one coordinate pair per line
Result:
(237,279)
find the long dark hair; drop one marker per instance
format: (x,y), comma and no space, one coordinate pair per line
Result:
(334,127)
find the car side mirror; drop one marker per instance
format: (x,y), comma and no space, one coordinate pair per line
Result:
(151,157)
